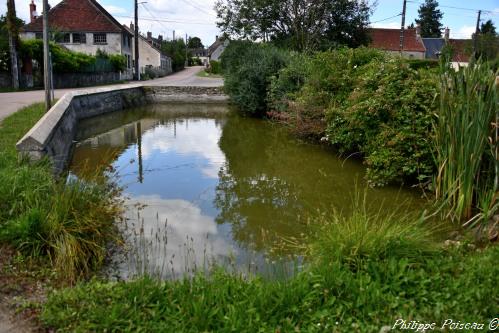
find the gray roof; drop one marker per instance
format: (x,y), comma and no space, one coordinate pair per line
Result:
(433,47)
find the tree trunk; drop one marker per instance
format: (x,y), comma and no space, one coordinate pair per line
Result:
(13,37)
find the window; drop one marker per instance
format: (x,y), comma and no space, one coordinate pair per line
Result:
(66,38)
(79,38)
(39,35)
(100,39)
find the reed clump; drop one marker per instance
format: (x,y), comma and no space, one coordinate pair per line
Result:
(466,145)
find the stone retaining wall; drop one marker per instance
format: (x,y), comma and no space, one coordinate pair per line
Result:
(54,133)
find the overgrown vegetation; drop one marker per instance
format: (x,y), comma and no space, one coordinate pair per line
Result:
(366,271)
(466,142)
(66,61)
(175,49)
(69,223)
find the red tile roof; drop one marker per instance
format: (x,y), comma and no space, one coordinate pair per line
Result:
(77,16)
(389,40)
(460,49)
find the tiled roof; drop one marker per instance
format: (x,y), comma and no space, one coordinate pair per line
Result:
(389,40)
(77,16)
(460,52)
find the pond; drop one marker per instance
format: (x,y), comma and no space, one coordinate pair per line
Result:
(205,186)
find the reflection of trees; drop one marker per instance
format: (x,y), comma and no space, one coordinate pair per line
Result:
(272,185)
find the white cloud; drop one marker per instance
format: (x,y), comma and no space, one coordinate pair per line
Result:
(463,32)
(115,9)
(191,137)
(189,239)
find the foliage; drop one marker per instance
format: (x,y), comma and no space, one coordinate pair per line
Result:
(70,223)
(195,61)
(215,67)
(66,61)
(4,43)
(299,25)
(175,49)
(430,19)
(488,28)
(195,43)
(466,142)
(248,69)
(349,287)
(327,78)
(387,117)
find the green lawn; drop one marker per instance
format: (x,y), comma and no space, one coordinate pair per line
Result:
(204,73)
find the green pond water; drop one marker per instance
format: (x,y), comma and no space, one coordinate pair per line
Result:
(205,186)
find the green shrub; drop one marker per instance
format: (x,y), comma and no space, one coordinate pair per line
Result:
(215,67)
(248,69)
(324,79)
(387,117)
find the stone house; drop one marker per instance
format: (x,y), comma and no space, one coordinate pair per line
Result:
(389,40)
(217,48)
(460,48)
(150,55)
(82,26)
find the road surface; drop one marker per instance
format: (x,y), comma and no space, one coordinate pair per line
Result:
(11,102)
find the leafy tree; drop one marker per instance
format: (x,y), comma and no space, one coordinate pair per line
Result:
(297,24)
(429,19)
(195,43)
(488,42)
(175,49)
(4,43)
(488,28)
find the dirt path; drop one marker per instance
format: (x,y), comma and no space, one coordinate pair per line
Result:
(10,324)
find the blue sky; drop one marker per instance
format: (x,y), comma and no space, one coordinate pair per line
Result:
(197,17)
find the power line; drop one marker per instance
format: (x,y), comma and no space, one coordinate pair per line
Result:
(198,8)
(459,8)
(161,23)
(167,21)
(386,19)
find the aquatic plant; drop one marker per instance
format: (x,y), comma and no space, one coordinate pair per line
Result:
(466,143)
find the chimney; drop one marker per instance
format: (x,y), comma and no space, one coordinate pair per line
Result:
(418,31)
(149,37)
(32,11)
(160,39)
(447,34)
(132,27)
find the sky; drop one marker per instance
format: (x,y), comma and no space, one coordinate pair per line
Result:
(197,17)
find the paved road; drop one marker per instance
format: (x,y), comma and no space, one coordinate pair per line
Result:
(11,102)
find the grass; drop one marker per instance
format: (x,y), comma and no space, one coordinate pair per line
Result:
(466,142)
(204,73)
(67,222)
(415,281)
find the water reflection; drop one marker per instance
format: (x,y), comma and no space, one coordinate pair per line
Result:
(202,185)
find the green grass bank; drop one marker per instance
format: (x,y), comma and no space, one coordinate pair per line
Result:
(67,222)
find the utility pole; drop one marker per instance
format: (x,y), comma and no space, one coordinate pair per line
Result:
(46,55)
(136,42)
(186,57)
(402,28)
(13,37)
(477,31)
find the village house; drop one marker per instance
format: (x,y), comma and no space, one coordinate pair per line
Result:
(83,26)
(216,49)
(151,58)
(458,47)
(389,40)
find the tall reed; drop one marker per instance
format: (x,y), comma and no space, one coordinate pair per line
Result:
(464,132)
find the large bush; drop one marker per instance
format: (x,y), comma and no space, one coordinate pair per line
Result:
(388,119)
(248,69)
